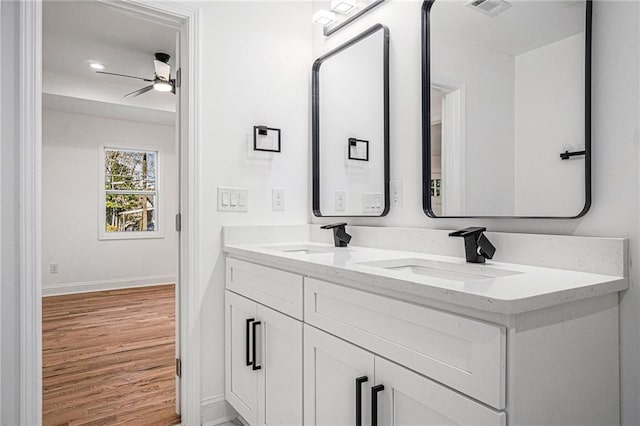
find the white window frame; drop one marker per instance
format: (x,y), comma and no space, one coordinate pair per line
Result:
(102,193)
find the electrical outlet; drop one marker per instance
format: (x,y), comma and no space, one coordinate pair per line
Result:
(397,198)
(233,199)
(277,199)
(340,201)
(53,268)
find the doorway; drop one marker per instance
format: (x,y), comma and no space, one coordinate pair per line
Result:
(110,193)
(448,149)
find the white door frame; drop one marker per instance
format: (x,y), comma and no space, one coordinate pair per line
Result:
(30,199)
(453,149)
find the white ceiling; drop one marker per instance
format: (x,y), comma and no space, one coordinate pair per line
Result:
(526,25)
(107,110)
(77,32)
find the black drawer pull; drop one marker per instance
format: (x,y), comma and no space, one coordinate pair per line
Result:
(374,403)
(253,350)
(249,362)
(359,382)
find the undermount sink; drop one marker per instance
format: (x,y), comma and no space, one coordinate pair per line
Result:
(303,249)
(442,269)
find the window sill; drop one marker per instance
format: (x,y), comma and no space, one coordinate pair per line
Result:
(137,235)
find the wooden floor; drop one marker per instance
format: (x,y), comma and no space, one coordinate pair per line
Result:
(108,358)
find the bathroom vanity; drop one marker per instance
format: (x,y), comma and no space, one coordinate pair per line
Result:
(411,334)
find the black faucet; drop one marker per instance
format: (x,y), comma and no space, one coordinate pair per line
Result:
(477,246)
(340,236)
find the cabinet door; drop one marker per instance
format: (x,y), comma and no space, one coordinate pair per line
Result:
(409,399)
(280,377)
(331,367)
(241,380)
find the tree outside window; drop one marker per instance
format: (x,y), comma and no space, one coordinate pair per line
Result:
(131,190)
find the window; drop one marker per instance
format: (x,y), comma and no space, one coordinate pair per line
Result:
(129,203)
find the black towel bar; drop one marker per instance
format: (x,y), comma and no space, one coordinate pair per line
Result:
(566,155)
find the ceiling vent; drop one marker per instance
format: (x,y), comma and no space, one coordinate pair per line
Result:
(489,7)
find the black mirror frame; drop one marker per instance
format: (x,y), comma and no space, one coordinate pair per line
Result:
(315,118)
(426,121)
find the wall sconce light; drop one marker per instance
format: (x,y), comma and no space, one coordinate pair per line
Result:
(343,6)
(324,17)
(266,139)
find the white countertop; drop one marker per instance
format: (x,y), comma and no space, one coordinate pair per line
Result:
(531,288)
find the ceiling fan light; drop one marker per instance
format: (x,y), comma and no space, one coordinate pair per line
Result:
(97,66)
(162,86)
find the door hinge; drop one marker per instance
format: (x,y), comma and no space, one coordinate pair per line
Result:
(178,367)
(179,77)
(178,222)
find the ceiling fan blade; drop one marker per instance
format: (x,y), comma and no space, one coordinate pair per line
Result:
(124,75)
(139,91)
(163,70)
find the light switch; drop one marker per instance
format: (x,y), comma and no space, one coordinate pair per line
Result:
(233,199)
(378,202)
(242,198)
(372,203)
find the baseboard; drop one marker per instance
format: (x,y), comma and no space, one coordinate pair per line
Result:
(117,284)
(215,410)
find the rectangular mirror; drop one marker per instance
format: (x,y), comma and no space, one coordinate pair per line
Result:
(506,108)
(350,135)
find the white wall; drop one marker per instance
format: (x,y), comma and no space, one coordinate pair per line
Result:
(549,119)
(616,154)
(79,87)
(255,68)
(70,214)
(9,222)
(482,74)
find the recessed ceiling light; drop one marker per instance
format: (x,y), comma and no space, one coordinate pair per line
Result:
(97,66)
(324,17)
(343,6)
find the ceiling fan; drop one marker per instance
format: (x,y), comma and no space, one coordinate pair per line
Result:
(162,81)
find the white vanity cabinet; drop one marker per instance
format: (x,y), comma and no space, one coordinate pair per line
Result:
(337,379)
(263,362)
(324,344)
(466,354)
(409,399)
(341,379)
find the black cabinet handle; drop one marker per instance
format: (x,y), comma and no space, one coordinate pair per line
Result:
(374,403)
(253,350)
(359,382)
(249,321)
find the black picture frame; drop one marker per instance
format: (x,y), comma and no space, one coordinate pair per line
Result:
(257,130)
(315,119)
(426,121)
(353,142)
